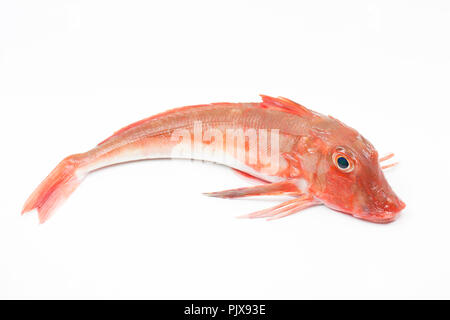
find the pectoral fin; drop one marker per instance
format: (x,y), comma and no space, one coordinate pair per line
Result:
(279,188)
(249,176)
(284,209)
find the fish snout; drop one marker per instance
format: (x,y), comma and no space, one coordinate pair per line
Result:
(384,211)
(377,201)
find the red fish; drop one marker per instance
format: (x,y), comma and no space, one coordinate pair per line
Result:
(290,149)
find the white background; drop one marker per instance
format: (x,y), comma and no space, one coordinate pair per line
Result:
(73,72)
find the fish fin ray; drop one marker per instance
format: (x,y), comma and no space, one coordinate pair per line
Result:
(285,105)
(248,176)
(278,188)
(284,209)
(55,189)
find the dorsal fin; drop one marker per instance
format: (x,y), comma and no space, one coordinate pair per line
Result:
(285,104)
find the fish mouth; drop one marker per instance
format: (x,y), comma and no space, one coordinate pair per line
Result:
(382,216)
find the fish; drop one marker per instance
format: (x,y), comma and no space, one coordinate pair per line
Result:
(286,148)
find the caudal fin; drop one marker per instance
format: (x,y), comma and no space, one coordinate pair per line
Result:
(56,188)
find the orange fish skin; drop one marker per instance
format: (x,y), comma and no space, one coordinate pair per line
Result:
(309,144)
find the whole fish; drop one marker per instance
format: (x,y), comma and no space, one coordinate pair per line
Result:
(290,149)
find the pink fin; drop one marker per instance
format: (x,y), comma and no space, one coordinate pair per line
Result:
(248,176)
(52,192)
(284,209)
(286,105)
(285,188)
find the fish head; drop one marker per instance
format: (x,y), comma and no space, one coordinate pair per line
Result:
(348,175)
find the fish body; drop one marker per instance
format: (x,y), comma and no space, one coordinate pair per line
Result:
(292,150)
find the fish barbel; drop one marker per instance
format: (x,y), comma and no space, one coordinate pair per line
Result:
(290,149)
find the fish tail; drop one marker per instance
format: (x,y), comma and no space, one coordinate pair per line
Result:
(57,187)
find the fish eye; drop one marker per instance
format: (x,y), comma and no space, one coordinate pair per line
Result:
(343,162)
